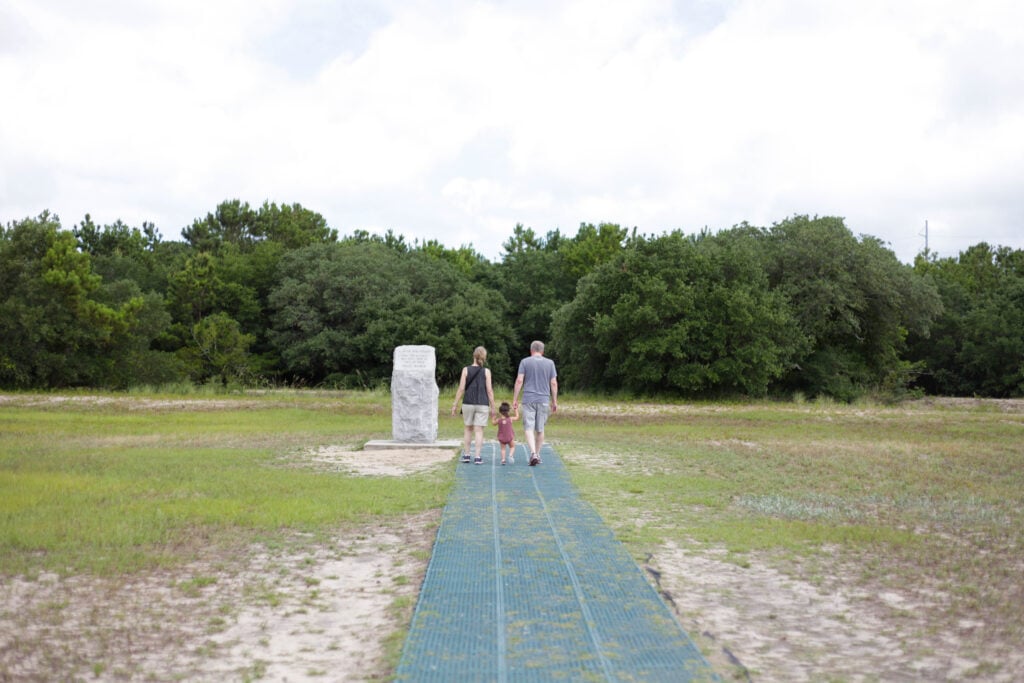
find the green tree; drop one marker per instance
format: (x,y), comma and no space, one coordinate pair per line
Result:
(977,346)
(341,309)
(194,291)
(130,359)
(219,284)
(134,264)
(389,239)
(679,314)
(465,259)
(234,222)
(534,281)
(218,349)
(292,226)
(120,252)
(855,303)
(55,328)
(591,247)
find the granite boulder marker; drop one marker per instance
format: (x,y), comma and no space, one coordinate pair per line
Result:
(414,395)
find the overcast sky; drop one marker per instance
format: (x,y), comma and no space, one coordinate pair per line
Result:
(455,120)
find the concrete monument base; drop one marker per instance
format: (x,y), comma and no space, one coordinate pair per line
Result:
(381,445)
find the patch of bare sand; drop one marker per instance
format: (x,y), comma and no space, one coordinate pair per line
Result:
(384,462)
(627,409)
(320,613)
(324,612)
(766,625)
(128,402)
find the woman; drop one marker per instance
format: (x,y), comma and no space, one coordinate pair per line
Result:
(478,407)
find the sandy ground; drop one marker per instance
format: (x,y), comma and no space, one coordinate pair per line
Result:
(761,624)
(277,615)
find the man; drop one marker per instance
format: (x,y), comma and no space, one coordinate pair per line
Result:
(538,380)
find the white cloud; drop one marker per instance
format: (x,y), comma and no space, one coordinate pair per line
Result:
(457,121)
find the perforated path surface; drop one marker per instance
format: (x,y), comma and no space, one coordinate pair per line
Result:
(526,583)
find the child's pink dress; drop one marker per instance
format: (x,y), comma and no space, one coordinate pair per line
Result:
(505,433)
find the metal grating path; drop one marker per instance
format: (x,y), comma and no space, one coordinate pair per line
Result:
(526,583)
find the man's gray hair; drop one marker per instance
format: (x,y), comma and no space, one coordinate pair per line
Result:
(537,346)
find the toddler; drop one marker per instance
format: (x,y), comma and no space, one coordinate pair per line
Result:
(506,435)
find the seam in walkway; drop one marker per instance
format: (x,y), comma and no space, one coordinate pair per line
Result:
(526,583)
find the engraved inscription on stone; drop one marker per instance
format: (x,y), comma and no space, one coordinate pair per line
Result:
(415,359)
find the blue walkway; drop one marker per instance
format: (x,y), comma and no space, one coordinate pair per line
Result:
(526,583)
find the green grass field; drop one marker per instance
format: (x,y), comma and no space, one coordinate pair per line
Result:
(930,491)
(117,484)
(925,498)
(785,477)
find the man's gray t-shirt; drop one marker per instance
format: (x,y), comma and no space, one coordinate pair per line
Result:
(537,372)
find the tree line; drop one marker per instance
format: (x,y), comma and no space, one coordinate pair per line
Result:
(272,295)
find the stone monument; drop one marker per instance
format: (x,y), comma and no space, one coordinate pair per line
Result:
(414,395)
